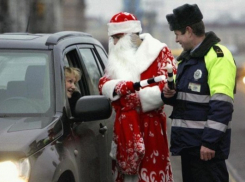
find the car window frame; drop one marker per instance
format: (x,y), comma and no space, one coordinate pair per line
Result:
(102,61)
(99,64)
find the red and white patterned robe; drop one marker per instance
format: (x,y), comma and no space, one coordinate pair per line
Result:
(140,137)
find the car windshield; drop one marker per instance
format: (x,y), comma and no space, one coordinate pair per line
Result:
(25,85)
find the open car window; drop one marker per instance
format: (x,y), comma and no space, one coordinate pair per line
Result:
(93,68)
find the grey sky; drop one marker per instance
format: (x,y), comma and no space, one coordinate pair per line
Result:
(211,9)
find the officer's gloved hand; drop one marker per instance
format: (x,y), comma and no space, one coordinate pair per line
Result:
(136,39)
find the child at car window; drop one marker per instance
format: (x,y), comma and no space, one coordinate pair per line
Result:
(72,76)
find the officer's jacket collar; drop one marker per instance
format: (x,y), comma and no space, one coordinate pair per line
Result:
(210,40)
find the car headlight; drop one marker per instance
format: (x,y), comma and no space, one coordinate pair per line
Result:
(243,79)
(11,171)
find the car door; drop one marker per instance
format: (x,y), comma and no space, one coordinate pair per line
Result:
(91,137)
(93,61)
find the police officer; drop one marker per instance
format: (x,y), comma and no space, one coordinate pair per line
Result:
(202,100)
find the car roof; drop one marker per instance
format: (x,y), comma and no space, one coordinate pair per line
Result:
(44,41)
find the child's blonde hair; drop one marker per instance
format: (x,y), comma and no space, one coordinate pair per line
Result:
(73,71)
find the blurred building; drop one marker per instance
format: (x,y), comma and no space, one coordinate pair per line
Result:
(42,16)
(47,16)
(231,35)
(30,15)
(13,15)
(133,6)
(73,15)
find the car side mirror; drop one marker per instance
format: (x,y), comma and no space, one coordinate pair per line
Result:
(93,107)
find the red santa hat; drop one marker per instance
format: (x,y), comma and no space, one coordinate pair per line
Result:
(124,22)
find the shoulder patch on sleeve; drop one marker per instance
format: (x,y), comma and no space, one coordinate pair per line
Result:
(218,51)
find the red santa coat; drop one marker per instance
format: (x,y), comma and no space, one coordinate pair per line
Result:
(140,137)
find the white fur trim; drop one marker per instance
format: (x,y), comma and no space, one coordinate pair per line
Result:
(108,88)
(148,51)
(133,26)
(150,98)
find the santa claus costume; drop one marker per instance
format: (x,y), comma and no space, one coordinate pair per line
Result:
(139,148)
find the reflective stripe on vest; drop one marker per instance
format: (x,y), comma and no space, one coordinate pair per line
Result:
(222,97)
(193,97)
(218,126)
(200,124)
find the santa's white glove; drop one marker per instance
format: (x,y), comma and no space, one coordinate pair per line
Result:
(136,40)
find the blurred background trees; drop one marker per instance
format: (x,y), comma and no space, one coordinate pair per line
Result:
(42,16)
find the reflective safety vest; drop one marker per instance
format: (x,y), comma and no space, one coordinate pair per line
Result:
(203,105)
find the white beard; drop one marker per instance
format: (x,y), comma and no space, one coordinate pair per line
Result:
(122,63)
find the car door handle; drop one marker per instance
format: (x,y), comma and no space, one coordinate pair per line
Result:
(102,129)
